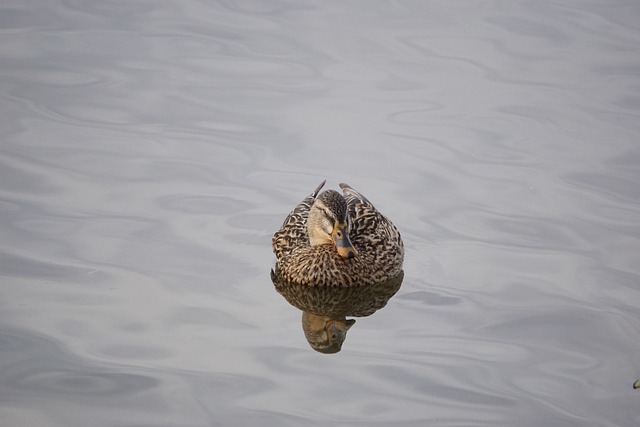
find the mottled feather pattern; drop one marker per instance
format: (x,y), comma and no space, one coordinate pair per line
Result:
(377,240)
(293,232)
(357,301)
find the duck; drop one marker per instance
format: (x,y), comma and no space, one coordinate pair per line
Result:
(337,240)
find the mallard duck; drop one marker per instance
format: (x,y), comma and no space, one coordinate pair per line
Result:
(333,239)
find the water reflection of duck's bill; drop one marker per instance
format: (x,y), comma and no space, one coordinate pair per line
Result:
(324,309)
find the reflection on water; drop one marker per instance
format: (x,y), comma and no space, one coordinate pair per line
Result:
(325,334)
(324,308)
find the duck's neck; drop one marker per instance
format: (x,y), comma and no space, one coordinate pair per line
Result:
(317,236)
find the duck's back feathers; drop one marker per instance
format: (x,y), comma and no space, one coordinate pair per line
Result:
(293,232)
(369,228)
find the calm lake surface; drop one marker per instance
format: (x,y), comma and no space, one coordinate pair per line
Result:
(149,150)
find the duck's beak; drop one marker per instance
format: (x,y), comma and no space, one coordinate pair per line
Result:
(341,239)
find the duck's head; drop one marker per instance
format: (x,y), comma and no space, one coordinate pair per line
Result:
(328,223)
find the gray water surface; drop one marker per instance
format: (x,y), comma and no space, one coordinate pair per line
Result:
(149,150)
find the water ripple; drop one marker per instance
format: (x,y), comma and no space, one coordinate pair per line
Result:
(150,149)
(50,371)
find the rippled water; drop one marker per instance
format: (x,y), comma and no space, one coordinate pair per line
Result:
(150,149)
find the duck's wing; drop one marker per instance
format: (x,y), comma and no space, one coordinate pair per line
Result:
(368,226)
(293,232)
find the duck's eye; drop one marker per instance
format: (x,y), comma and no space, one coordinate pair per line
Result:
(339,234)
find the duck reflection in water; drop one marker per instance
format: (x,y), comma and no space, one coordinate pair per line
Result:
(325,309)
(325,333)
(341,249)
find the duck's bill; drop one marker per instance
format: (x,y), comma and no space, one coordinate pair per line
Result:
(343,245)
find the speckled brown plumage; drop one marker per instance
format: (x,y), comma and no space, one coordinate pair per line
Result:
(377,240)
(334,302)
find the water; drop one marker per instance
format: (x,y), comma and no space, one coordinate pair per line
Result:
(150,149)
